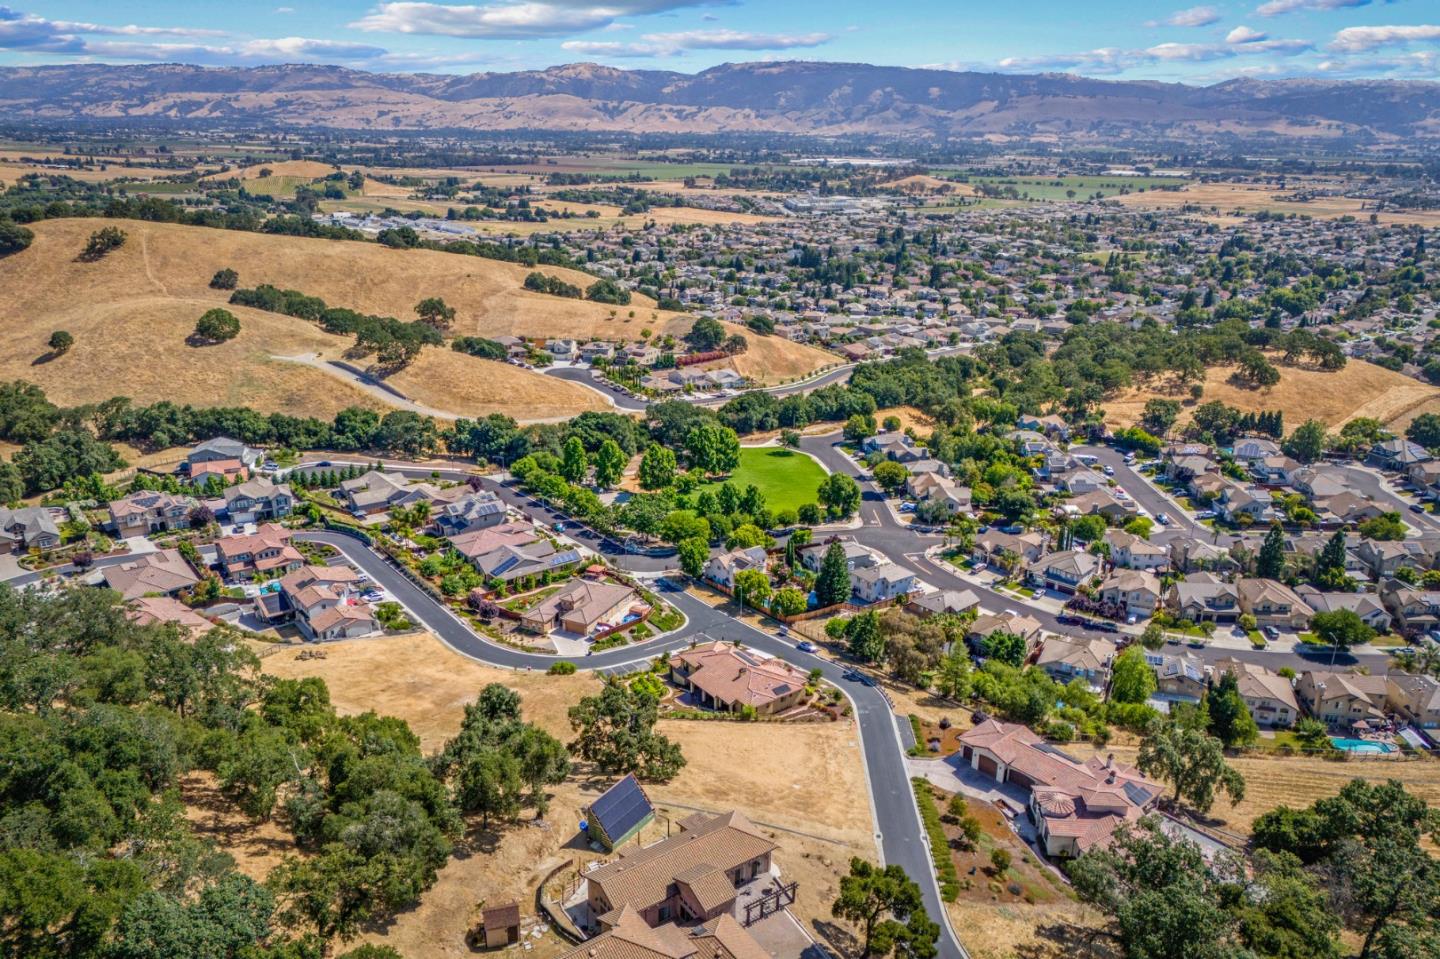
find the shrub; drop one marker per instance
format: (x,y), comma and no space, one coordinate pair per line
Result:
(13,237)
(939,845)
(225,279)
(1000,859)
(103,241)
(60,341)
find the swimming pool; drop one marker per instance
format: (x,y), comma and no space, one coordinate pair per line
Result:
(1361,746)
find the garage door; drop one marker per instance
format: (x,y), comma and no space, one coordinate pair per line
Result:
(988,766)
(1020,779)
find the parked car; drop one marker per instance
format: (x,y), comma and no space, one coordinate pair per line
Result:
(1109,470)
(1163,519)
(1271,632)
(1417,507)
(1205,514)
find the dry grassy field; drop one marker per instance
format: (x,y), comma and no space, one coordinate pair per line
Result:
(1360,389)
(309,169)
(1254,198)
(131,312)
(803,784)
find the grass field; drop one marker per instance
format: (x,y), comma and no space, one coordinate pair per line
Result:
(1059,188)
(788,478)
(131,312)
(1360,389)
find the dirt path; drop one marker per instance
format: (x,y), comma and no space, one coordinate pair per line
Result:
(149,269)
(384,392)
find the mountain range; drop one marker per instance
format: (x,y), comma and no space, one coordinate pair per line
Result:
(807,98)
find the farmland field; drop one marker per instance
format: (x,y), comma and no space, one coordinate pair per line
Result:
(788,478)
(1057,188)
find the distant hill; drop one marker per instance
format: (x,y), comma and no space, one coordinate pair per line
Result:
(785,97)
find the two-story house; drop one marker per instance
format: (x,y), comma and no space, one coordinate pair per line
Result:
(150,511)
(1272,603)
(1268,696)
(1342,699)
(1137,590)
(883,582)
(1065,658)
(1063,571)
(1203,598)
(1129,551)
(267,552)
(257,500)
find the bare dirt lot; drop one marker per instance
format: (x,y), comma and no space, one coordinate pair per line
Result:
(803,784)
(1360,389)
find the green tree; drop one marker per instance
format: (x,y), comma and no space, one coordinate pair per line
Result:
(1159,416)
(615,729)
(694,555)
(1270,562)
(573,461)
(713,449)
(1330,565)
(227,918)
(863,637)
(1425,430)
(1307,443)
(789,601)
(1192,762)
(859,426)
(224,279)
(747,535)
(60,342)
(886,905)
(1341,628)
(1153,638)
(657,467)
(1386,527)
(434,312)
(839,494)
(1131,678)
(1226,716)
(832,585)
(13,237)
(609,464)
(103,241)
(217,326)
(1005,647)
(683,524)
(752,588)
(952,679)
(705,335)
(890,475)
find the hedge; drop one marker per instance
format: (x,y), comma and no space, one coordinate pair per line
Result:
(939,845)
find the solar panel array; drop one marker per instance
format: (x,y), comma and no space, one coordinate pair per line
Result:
(621,808)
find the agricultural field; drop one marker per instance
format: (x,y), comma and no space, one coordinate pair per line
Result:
(788,478)
(1360,389)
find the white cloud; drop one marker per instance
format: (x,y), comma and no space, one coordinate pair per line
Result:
(1194,52)
(1418,63)
(520,20)
(1245,35)
(284,9)
(1359,39)
(1276,8)
(672,44)
(1099,60)
(1193,17)
(26,31)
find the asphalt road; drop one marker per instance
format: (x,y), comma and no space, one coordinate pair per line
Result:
(586,377)
(898,829)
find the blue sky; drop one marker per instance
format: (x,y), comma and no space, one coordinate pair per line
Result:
(1103,38)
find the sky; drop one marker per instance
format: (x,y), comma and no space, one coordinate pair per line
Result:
(1119,39)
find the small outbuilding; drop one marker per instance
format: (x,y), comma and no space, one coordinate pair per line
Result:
(620,812)
(500,924)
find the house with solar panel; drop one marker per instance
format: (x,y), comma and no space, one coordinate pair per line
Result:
(620,812)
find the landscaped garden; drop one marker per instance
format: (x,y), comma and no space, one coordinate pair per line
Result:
(787,478)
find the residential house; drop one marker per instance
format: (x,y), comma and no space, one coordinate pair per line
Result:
(163,572)
(267,552)
(1129,551)
(1275,470)
(583,606)
(1397,454)
(562,349)
(1080,481)
(856,556)
(1425,477)
(1272,603)
(994,546)
(1064,658)
(1102,502)
(378,491)
(691,876)
(1346,508)
(628,936)
(932,487)
(1414,610)
(1179,677)
(223,457)
(722,568)
(1384,557)
(1204,598)
(150,511)
(1367,606)
(149,610)
(881,583)
(726,677)
(1417,698)
(1268,696)
(258,500)
(1026,627)
(537,557)
(29,527)
(942,601)
(1189,554)
(1064,571)
(1075,805)
(1253,449)
(1135,589)
(478,510)
(1342,699)
(1253,502)
(324,603)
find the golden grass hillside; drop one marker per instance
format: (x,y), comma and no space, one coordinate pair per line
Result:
(1360,389)
(131,312)
(310,169)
